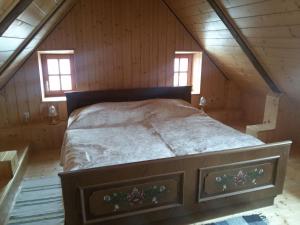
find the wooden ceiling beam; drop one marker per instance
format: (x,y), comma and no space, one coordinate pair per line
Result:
(42,30)
(241,40)
(13,14)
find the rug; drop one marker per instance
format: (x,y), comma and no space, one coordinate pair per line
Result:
(39,201)
(255,219)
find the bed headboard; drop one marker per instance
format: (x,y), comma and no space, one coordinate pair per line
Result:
(77,99)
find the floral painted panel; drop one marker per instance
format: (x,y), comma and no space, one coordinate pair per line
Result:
(243,177)
(125,198)
(136,196)
(226,180)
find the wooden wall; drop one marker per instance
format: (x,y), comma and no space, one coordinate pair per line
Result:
(207,28)
(6,6)
(118,44)
(272,29)
(219,91)
(23,26)
(288,122)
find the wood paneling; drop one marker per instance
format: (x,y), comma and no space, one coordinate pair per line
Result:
(118,44)
(41,136)
(272,28)
(212,34)
(27,34)
(6,6)
(288,122)
(212,85)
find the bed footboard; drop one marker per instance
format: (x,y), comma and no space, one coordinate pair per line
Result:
(157,190)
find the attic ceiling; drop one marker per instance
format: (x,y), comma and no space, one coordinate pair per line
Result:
(26,30)
(6,6)
(271,28)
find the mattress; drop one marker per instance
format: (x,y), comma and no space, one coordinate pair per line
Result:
(107,134)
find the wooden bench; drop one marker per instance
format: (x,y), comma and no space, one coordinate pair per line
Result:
(12,167)
(8,166)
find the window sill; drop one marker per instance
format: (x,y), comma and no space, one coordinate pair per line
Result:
(54,99)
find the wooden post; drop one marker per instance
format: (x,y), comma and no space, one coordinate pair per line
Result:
(270,116)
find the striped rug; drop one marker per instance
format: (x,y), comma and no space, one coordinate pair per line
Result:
(255,219)
(38,202)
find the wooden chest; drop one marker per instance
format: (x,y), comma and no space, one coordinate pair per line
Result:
(8,166)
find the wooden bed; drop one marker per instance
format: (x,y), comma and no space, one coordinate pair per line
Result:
(174,190)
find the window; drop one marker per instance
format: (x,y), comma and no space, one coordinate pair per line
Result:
(183,69)
(57,70)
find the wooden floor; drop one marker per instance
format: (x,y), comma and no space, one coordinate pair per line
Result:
(285,210)
(45,163)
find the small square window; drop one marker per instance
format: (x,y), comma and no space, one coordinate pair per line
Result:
(182,69)
(57,73)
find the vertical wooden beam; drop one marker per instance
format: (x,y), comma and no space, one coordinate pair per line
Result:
(239,37)
(13,14)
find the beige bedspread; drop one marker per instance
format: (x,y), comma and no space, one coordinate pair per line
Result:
(114,133)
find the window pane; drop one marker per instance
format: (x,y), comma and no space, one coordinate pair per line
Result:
(184,64)
(66,83)
(52,65)
(183,79)
(64,66)
(54,83)
(176,64)
(175,82)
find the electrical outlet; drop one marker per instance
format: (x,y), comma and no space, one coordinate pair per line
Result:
(26,117)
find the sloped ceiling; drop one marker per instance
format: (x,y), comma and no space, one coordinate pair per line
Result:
(271,28)
(6,6)
(27,31)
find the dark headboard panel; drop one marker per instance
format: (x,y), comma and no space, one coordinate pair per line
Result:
(77,99)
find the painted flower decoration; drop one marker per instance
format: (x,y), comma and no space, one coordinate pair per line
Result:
(116,207)
(136,196)
(218,179)
(162,188)
(240,178)
(154,200)
(107,198)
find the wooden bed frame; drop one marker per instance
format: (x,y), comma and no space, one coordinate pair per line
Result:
(174,190)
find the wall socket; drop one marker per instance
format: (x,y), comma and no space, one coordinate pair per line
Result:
(26,117)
